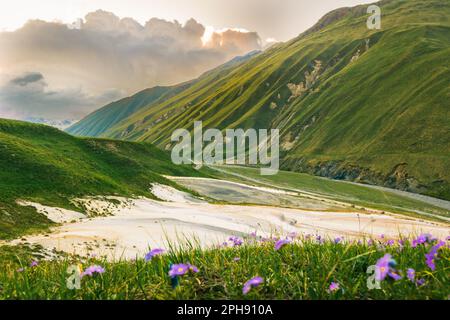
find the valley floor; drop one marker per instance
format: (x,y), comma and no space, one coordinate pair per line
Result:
(131,228)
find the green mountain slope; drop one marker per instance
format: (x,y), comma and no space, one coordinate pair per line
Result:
(45,165)
(98,122)
(351,103)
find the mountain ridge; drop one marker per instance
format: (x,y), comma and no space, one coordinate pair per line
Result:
(351,103)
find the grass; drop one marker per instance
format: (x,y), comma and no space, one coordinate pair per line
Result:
(303,269)
(44,165)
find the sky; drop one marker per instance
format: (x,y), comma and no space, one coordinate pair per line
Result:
(278,19)
(54,71)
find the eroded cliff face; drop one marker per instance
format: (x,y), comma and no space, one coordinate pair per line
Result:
(397,178)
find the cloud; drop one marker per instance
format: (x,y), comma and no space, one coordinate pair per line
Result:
(28,78)
(27,96)
(105,53)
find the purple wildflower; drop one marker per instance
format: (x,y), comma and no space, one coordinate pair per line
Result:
(432,255)
(370,242)
(181,269)
(390,242)
(293,235)
(34,263)
(178,270)
(320,240)
(420,282)
(236,241)
(254,282)
(422,239)
(394,275)
(193,268)
(281,243)
(382,267)
(337,240)
(419,240)
(334,286)
(411,273)
(236,259)
(382,236)
(90,271)
(155,252)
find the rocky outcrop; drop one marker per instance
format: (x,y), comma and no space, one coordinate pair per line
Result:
(397,178)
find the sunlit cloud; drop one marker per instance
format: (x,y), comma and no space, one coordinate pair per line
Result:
(105,53)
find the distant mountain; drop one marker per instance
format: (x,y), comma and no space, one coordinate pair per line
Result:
(351,103)
(60,124)
(101,120)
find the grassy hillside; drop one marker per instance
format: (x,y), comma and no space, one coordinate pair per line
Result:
(45,165)
(351,103)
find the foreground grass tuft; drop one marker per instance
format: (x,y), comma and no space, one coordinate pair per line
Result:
(302,269)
